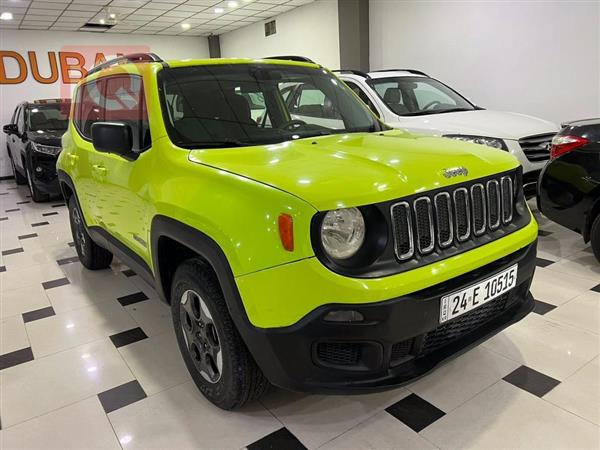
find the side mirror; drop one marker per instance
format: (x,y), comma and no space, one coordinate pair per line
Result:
(113,137)
(11,128)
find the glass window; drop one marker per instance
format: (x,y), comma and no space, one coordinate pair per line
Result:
(50,117)
(21,120)
(90,106)
(124,103)
(358,91)
(253,104)
(412,96)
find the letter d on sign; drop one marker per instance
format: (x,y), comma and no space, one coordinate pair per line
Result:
(4,79)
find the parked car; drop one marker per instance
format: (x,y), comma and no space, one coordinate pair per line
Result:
(33,144)
(569,186)
(412,100)
(342,258)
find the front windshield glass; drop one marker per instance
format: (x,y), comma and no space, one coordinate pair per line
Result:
(413,96)
(253,104)
(48,117)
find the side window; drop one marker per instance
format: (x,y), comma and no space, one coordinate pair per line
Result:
(14,116)
(358,91)
(125,103)
(427,95)
(312,102)
(89,107)
(21,120)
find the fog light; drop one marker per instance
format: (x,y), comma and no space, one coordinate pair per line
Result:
(344,316)
(38,169)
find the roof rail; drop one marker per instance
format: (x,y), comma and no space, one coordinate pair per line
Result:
(416,72)
(360,73)
(292,58)
(131,58)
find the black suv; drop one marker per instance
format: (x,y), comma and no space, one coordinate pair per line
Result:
(34,142)
(569,186)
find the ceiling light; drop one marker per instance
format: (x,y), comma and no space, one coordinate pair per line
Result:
(185,26)
(6,16)
(102,21)
(219,10)
(232,4)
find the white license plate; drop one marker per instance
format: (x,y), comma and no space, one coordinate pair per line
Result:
(465,300)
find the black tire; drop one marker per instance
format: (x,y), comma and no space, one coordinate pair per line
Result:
(91,255)
(19,178)
(36,195)
(202,335)
(595,237)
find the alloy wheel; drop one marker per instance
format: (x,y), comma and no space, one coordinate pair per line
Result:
(201,337)
(79,231)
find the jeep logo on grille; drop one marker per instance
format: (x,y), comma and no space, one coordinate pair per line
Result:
(455,172)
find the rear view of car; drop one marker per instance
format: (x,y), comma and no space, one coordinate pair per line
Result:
(569,186)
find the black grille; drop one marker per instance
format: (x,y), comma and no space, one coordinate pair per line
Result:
(537,148)
(339,353)
(454,216)
(458,327)
(400,350)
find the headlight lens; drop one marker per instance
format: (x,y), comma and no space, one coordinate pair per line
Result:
(342,232)
(482,140)
(46,149)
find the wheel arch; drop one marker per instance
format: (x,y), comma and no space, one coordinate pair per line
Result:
(594,211)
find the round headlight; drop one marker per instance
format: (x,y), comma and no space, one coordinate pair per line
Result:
(342,232)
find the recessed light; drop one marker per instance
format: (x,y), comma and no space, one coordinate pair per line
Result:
(102,21)
(185,26)
(6,16)
(232,4)
(219,10)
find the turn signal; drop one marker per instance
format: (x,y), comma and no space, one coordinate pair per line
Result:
(286,231)
(564,144)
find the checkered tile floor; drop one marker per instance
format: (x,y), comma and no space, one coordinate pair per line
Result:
(89,360)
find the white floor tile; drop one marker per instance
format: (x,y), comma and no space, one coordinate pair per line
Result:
(180,418)
(12,335)
(581,264)
(82,425)
(29,276)
(504,416)
(152,315)
(551,288)
(45,384)
(73,328)
(553,348)
(582,312)
(21,300)
(105,283)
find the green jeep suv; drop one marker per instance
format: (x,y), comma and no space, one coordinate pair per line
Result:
(299,241)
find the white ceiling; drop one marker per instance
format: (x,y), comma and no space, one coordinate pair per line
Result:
(163,17)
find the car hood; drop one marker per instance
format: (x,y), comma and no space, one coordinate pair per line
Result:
(357,169)
(46,137)
(498,124)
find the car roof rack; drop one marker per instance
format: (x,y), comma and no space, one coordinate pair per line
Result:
(360,73)
(48,101)
(416,72)
(131,58)
(292,58)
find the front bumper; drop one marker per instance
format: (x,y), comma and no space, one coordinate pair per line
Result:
(43,173)
(400,339)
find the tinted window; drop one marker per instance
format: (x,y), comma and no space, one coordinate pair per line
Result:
(48,117)
(90,106)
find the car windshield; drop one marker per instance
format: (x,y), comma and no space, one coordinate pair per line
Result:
(414,96)
(48,117)
(254,104)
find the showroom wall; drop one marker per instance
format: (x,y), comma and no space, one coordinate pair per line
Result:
(539,58)
(26,58)
(310,30)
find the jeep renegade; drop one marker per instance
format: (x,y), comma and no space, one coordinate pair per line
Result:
(325,254)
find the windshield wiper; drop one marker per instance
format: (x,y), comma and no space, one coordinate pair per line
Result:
(437,111)
(220,143)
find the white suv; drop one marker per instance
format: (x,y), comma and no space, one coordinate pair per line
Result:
(411,100)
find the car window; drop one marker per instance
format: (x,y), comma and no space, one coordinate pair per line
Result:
(21,120)
(89,107)
(363,96)
(426,95)
(311,105)
(49,117)
(13,120)
(124,103)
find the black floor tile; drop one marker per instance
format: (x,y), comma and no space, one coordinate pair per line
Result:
(72,259)
(71,244)
(278,440)
(53,213)
(13,210)
(128,273)
(541,262)
(23,202)
(128,337)
(2,268)
(544,232)
(3,219)
(39,224)
(38,314)
(12,251)
(121,396)
(532,381)
(27,236)
(17,357)
(58,205)
(596,288)
(132,298)
(542,307)
(415,412)
(55,283)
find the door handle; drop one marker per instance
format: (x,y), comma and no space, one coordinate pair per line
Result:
(99,168)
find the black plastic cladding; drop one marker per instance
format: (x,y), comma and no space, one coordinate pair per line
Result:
(377,257)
